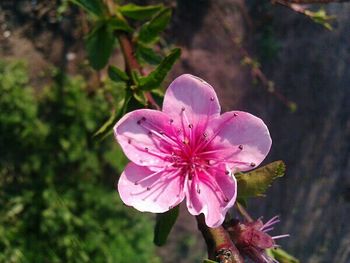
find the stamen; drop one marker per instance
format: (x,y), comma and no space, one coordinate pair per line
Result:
(204,143)
(213,184)
(240,147)
(148,177)
(280,236)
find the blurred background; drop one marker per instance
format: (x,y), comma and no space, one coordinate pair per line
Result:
(57,183)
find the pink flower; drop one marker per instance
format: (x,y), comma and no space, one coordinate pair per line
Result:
(251,238)
(188,150)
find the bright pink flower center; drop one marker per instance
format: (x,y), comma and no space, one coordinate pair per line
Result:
(188,151)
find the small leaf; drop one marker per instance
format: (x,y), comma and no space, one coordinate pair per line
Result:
(93,7)
(140,97)
(155,78)
(164,224)
(145,54)
(256,182)
(138,12)
(99,45)
(281,256)
(119,24)
(321,17)
(209,261)
(119,111)
(150,30)
(117,75)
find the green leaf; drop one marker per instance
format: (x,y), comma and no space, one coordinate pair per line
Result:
(117,75)
(99,45)
(281,256)
(138,12)
(145,54)
(119,111)
(321,17)
(164,224)
(256,182)
(140,97)
(209,261)
(150,30)
(93,7)
(155,78)
(119,24)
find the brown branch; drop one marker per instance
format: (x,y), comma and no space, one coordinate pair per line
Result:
(243,212)
(255,69)
(219,244)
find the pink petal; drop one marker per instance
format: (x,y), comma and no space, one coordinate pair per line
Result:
(192,101)
(213,203)
(144,137)
(150,191)
(242,140)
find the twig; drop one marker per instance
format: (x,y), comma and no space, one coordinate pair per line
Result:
(243,212)
(127,49)
(219,244)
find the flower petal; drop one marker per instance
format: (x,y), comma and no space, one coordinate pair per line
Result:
(192,101)
(241,139)
(150,191)
(145,137)
(217,193)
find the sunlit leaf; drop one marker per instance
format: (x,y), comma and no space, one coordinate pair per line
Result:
(155,78)
(164,224)
(255,183)
(139,12)
(119,24)
(150,30)
(281,255)
(94,7)
(117,75)
(140,97)
(99,45)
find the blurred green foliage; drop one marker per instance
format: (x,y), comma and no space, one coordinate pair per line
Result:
(57,197)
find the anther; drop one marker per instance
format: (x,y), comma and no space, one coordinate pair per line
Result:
(136,183)
(226,199)
(129,141)
(148,188)
(252,164)
(212,98)
(240,147)
(190,126)
(161,133)
(171,120)
(146,149)
(198,190)
(205,134)
(235,114)
(227,172)
(183,109)
(150,133)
